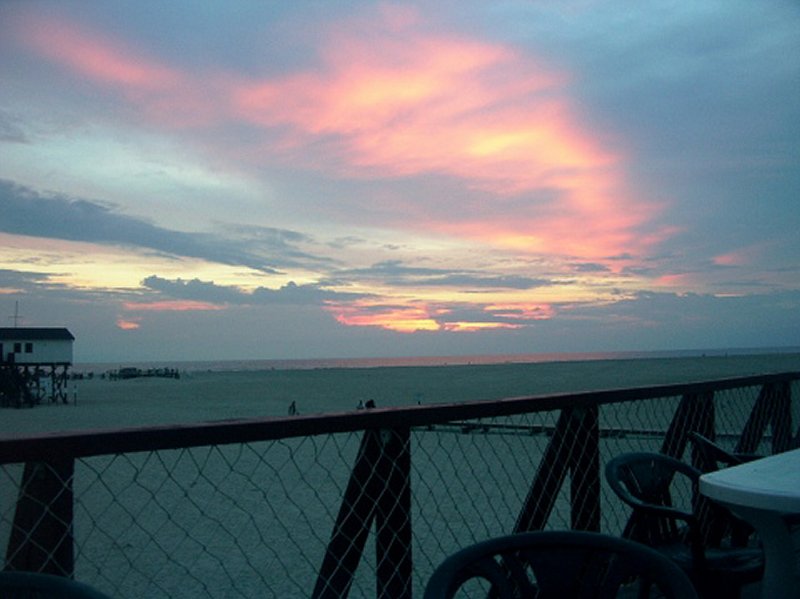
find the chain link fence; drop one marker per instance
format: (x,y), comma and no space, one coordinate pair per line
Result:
(325,506)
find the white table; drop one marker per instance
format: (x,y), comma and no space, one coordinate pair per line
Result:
(762,492)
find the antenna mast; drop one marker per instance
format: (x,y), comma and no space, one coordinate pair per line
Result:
(16,318)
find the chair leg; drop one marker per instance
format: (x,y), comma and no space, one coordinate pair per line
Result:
(717,588)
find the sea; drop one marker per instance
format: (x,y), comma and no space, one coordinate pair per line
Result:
(249,365)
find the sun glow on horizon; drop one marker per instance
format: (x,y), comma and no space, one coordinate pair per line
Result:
(399,319)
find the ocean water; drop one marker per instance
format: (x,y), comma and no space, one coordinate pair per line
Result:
(245,365)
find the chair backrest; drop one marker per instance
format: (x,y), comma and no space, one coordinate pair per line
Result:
(27,585)
(718,523)
(556,564)
(646,481)
(713,456)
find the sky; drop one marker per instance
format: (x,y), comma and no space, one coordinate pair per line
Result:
(278,180)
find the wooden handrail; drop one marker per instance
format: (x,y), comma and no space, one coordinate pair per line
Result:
(176,436)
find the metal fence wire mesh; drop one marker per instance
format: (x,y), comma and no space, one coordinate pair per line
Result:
(289,517)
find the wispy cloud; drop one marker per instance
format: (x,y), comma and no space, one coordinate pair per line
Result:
(389,97)
(404,102)
(395,273)
(24,211)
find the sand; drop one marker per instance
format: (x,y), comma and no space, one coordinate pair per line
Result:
(253,520)
(208,396)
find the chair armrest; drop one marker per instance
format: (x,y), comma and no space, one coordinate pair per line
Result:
(651,508)
(664,511)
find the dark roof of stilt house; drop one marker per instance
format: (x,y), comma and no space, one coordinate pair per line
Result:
(36,333)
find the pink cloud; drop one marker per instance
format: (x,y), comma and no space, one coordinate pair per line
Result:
(390,97)
(127,325)
(94,55)
(403,102)
(167,96)
(401,319)
(739,257)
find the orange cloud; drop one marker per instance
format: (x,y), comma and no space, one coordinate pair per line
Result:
(170,306)
(420,317)
(396,318)
(127,325)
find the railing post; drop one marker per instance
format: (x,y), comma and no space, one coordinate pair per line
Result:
(41,538)
(574,446)
(772,405)
(548,480)
(393,518)
(781,421)
(694,413)
(379,489)
(350,531)
(585,469)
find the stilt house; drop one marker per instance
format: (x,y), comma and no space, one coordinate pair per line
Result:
(34,363)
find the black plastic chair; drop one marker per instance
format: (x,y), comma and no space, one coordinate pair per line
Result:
(30,585)
(710,457)
(647,482)
(559,564)
(714,457)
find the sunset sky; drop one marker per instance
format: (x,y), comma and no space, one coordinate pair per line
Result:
(192,180)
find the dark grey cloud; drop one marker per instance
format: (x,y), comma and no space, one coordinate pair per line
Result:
(589,267)
(207,291)
(394,268)
(195,289)
(294,294)
(346,242)
(467,281)
(394,272)
(44,300)
(281,243)
(24,211)
(692,313)
(11,279)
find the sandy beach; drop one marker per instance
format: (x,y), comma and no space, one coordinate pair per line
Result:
(254,519)
(216,395)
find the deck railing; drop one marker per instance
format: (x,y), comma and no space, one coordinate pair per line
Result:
(355,504)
